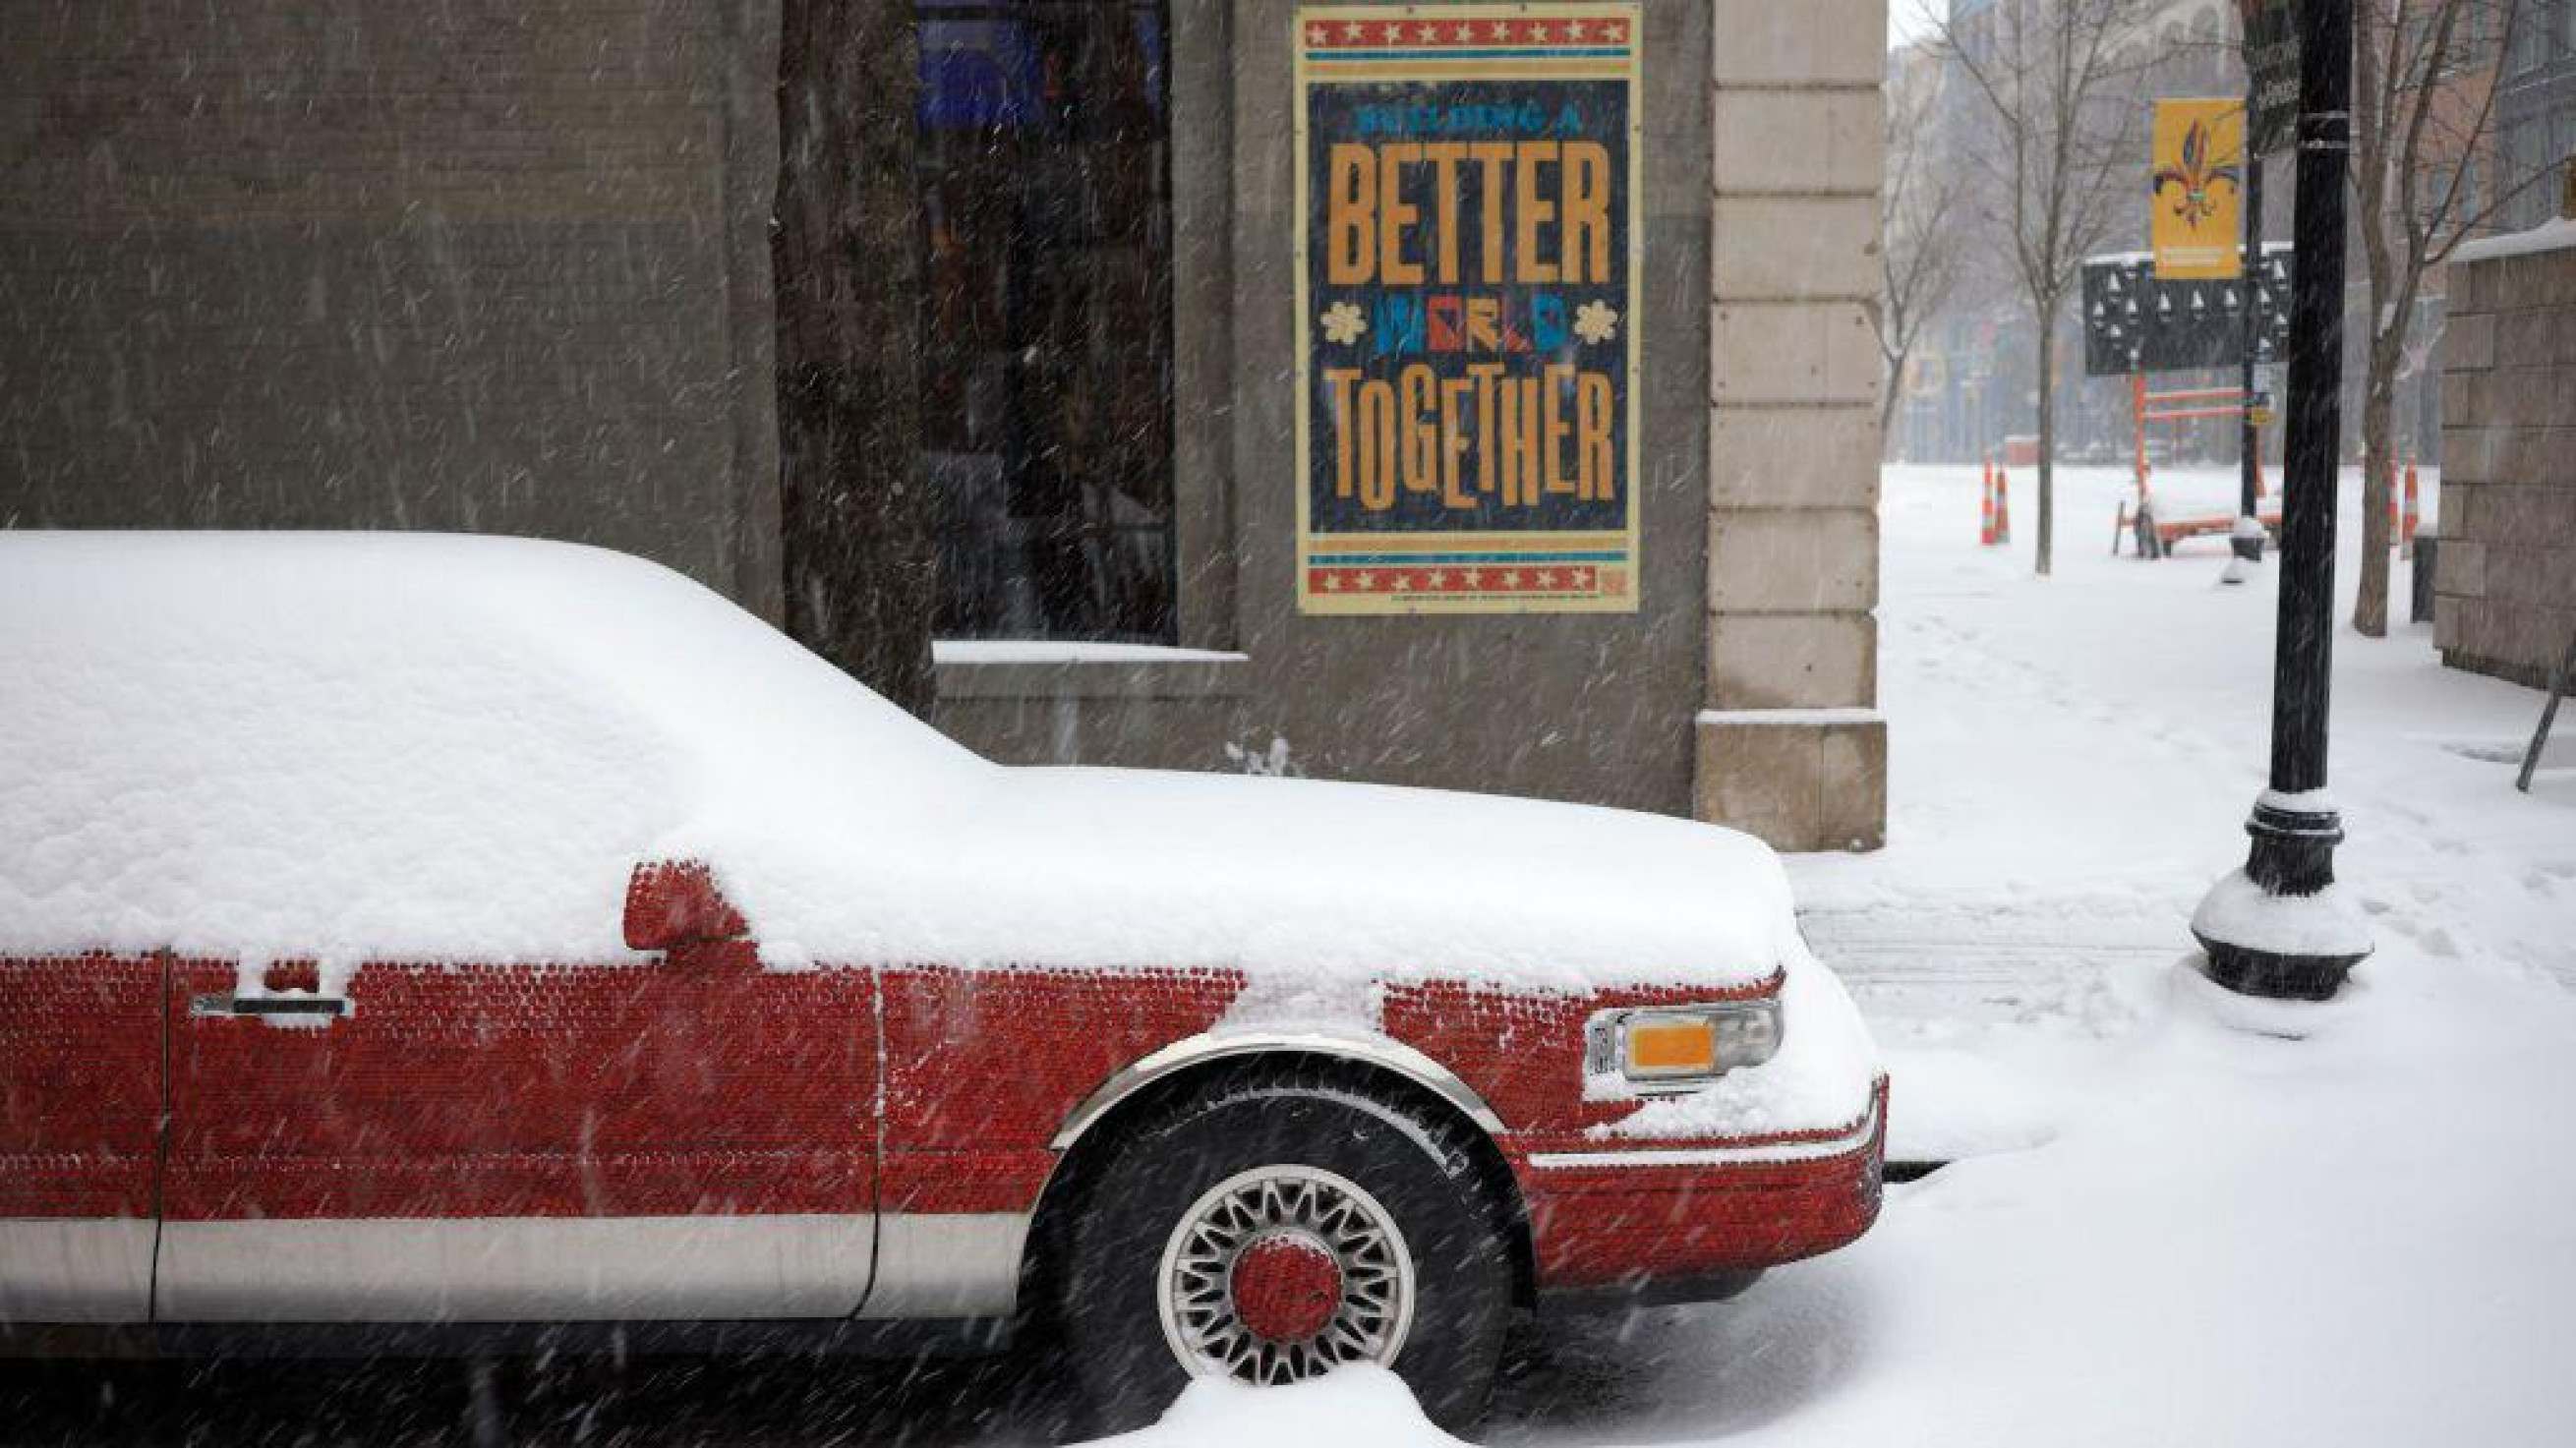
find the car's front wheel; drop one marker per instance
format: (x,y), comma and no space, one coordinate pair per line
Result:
(1273,1227)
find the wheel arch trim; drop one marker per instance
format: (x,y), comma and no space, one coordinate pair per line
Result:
(1192,1051)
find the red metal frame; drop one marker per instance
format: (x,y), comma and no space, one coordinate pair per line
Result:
(2143,409)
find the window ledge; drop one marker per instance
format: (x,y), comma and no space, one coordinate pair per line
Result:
(1040,669)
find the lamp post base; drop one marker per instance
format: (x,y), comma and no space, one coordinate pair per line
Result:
(2246,539)
(2279,927)
(2246,542)
(2272,975)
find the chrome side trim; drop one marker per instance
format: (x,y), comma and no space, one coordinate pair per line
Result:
(1754,1154)
(514,1269)
(75,1269)
(962,1264)
(1211,1046)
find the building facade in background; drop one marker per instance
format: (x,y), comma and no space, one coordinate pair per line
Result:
(505,268)
(2536,108)
(1974,382)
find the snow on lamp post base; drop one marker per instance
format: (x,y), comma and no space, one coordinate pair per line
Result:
(2280,926)
(2276,928)
(2247,541)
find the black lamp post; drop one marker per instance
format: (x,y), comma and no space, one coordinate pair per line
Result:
(2271,66)
(2276,928)
(2248,538)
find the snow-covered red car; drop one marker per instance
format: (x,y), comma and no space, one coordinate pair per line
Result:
(430,929)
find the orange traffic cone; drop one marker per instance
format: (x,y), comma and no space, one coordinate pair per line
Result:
(1986,505)
(2414,513)
(2003,506)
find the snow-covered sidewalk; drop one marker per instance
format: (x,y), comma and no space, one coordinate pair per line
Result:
(2071,763)
(2170,1223)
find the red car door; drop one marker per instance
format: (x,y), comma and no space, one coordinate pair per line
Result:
(80,1111)
(687,1136)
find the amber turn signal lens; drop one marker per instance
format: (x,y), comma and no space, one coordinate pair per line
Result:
(1672,1047)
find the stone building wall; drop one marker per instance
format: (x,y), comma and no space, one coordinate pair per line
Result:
(2505,582)
(1744,690)
(489,265)
(502,266)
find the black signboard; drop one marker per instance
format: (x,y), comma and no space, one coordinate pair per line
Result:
(2135,321)
(2272,55)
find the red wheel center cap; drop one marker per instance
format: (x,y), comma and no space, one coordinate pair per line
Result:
(1285,1286)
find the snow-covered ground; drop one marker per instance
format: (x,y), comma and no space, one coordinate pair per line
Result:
(2173,1217)
(2071,761)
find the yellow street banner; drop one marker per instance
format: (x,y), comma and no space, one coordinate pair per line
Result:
(2196,197)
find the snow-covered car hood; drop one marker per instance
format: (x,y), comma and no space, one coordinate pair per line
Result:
(1319,896)
(1105,867)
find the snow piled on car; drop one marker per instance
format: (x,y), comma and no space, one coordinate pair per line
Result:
(358,747)
(1331,886)
(376,746)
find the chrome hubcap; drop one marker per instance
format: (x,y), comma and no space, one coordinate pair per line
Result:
(1280,1273)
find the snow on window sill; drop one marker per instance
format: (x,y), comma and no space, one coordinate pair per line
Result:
(2554,235)
(1063,669)
(1800,718)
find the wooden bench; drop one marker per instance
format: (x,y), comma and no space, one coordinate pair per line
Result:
(2169,531)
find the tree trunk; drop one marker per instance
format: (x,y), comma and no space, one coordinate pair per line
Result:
(2047,434)
(845,259)
(1887,405)
(2378,475)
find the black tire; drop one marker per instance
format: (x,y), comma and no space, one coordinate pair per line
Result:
(1107,1290)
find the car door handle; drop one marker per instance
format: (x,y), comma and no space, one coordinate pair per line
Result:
(225,1003)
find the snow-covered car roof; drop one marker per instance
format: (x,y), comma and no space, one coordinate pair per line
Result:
(443,748)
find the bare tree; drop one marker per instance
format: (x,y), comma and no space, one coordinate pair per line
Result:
(845,257)
(2424,74)
(2048,163)
(1921,235)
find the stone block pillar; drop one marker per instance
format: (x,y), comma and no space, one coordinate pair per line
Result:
(1790,744)
(2505,582)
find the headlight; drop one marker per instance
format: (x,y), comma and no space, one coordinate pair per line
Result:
(1675,1048)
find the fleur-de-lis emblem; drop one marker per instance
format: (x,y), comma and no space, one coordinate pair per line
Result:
(2197,178)
(1596,322)
(1343,324)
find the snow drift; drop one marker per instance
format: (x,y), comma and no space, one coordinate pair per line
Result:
(1361,1403)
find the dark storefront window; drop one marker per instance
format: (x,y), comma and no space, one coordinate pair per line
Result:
(1044,166)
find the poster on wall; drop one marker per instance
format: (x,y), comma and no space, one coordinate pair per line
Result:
(2196,210)
(1467,337)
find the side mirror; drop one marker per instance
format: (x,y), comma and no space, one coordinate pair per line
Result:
(671,904)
